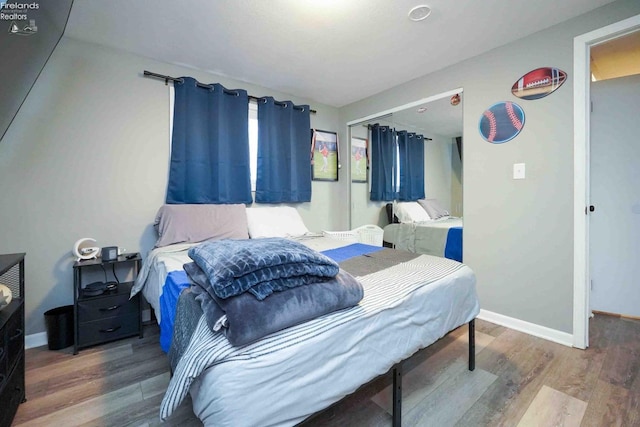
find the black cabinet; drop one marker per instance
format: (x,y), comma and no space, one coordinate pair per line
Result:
(110,315)
(12,389)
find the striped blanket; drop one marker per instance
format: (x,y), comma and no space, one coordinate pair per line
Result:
(390,278)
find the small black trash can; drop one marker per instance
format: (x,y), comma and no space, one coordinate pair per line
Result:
(59,323)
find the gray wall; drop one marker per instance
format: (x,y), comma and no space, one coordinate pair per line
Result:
(518,234)
(456,182)
(437,170)
(87,156)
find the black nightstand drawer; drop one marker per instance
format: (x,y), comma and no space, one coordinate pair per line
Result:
(14,339)
(109,329)
(4,372)
(102,308)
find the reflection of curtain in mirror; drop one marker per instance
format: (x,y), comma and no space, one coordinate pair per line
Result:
(383,160)
(411,152)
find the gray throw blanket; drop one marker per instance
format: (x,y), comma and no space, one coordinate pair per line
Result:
(260,266)
(248,319)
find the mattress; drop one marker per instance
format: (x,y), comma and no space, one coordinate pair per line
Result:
(155,268)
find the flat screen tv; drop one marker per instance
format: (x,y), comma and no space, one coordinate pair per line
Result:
(29,33)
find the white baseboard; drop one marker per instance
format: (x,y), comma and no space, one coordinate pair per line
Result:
(35,340)
(528,328)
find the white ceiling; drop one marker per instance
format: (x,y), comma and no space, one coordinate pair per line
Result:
(330,51)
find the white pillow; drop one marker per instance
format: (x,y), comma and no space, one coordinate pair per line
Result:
(410,212)
(276,221)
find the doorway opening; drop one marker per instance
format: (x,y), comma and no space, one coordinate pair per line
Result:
(582,119)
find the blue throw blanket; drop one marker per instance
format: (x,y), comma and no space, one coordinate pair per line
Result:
(260,266)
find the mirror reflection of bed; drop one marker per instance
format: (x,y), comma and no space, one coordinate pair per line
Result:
(424,227)
(440,122)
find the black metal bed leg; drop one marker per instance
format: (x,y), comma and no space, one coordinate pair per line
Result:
(397,396)
(472,345)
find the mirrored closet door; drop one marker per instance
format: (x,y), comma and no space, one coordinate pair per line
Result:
(439,120)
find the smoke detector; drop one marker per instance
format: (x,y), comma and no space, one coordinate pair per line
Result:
(419,13)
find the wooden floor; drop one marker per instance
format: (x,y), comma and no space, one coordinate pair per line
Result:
(519,380)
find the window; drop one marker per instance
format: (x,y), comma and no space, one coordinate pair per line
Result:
(253,142)
(253,134)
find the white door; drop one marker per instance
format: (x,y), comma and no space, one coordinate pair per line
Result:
(614,242)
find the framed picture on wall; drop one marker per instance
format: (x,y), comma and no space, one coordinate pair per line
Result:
(324,152)
(359,159)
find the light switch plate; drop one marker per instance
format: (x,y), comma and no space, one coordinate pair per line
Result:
(518,171)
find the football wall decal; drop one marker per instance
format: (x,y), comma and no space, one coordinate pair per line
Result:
(501,122)
(539,83)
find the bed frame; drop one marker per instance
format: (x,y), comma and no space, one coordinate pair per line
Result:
(396,413)
(396,410)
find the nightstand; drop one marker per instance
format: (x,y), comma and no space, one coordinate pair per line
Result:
(111,315)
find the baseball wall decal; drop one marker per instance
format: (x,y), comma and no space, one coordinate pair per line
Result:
(538,83)
(501,122)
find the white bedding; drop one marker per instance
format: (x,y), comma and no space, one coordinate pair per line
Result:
(428,237)
(298,375)
(297,380)
(155,269)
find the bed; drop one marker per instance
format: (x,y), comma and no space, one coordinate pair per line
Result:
(410,301)
(436,234)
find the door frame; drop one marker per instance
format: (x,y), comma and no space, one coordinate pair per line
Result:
(581,140)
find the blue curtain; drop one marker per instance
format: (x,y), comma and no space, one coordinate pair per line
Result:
(284,172)
(411,151)
(210,145)
(383,161)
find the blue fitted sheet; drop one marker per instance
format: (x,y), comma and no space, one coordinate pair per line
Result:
(453,247)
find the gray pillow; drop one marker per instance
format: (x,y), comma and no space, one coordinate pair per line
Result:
(197,223)
(433,208)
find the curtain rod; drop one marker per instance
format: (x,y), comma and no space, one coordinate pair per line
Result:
(425,138)
(179,80)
